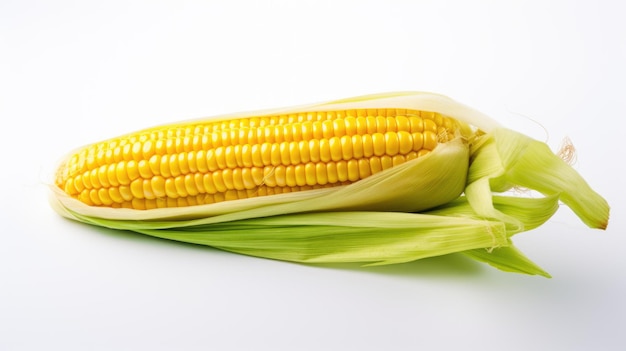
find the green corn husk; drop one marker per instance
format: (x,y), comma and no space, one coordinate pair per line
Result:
(454,200)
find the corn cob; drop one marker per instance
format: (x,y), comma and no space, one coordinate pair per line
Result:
(209,162)
(379,179)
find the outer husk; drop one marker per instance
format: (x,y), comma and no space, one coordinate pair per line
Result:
(362,236)
(402,214)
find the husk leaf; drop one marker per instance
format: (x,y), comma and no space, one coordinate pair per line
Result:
(329,237)
(507,259)
(505,159)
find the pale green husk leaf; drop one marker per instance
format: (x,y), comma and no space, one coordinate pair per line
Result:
(505,159)
(363,236)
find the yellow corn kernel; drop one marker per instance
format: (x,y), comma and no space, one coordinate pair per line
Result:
(206,162)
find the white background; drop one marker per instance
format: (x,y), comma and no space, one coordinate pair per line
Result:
(74,72)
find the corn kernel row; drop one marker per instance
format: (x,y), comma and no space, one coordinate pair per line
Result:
(205,136)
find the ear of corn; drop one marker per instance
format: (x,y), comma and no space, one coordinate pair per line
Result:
(413,186)
(450,198)
(190,159)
